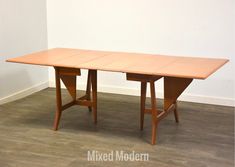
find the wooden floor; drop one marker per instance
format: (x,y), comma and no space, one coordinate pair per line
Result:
(204,137)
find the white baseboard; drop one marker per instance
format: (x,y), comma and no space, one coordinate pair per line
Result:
(135,92)
(24,93)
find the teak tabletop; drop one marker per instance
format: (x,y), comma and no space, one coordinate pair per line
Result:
(150,64)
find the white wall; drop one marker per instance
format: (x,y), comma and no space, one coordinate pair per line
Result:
(182,27)
(22,30)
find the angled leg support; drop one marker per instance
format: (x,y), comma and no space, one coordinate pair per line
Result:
(173,87)
(68,76)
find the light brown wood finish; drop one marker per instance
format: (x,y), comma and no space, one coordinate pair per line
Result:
(142,78)
(138,63)
(173,87)
(58,100)
(154,112)
(178,73)
(88,89)
(69,71)
(70,82)
(176,113)
(142,103)
(94,93)
(68,76)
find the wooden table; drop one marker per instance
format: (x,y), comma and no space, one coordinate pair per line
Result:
(178,72)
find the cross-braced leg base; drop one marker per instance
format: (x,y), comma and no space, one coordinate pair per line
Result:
(173,87)
(68,76)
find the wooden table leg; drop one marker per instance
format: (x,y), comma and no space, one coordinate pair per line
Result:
(88,89)
(154,112)
(58,100)
(176,113)
(94,93)
(142,103)
(144,79)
